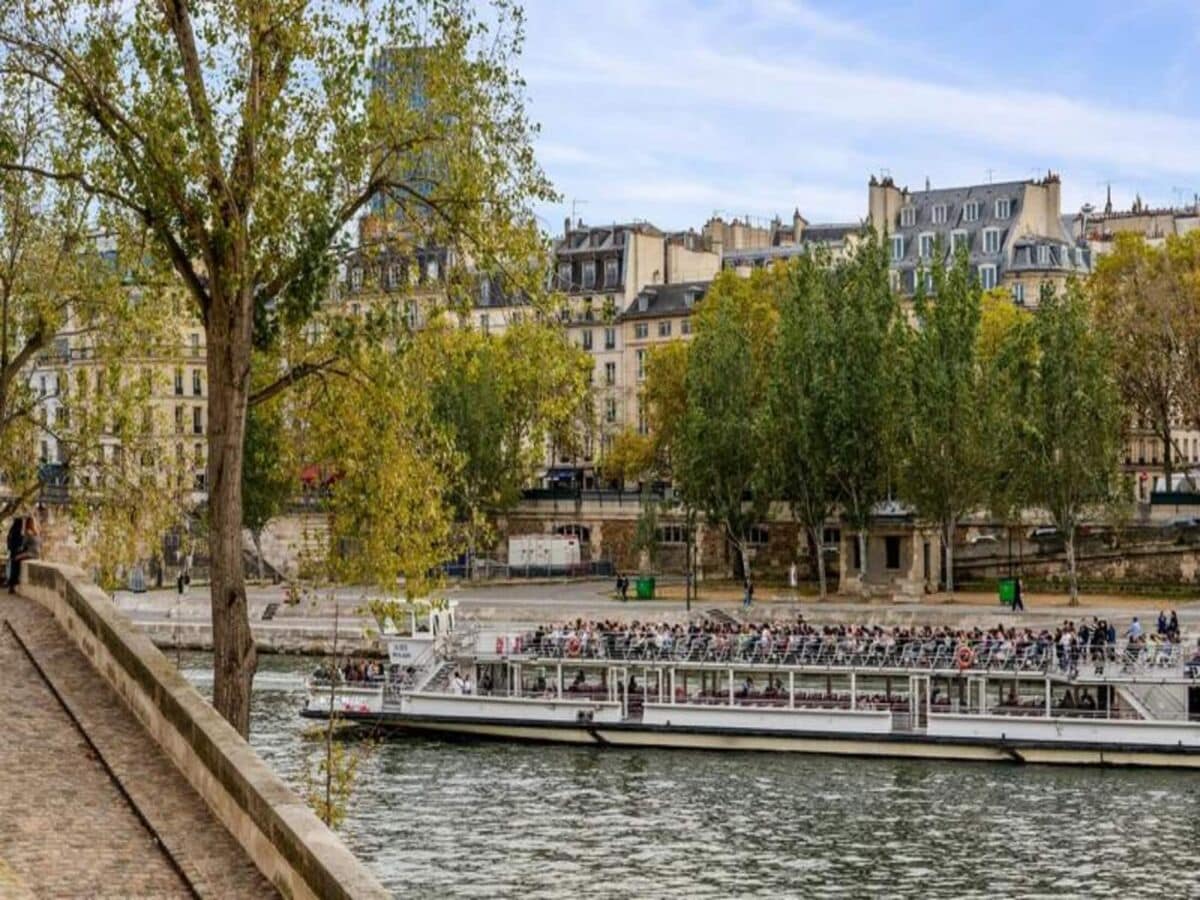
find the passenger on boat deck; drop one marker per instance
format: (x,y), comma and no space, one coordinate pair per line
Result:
(1086,701)
(485,683)
(457,684)
(747,687)
(539,686)
(578,683)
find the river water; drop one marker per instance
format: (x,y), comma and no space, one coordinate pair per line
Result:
(447,819)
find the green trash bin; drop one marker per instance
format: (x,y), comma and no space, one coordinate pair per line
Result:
(1008,591)
(645,588)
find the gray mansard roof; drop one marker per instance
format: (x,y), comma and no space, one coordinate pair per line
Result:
(955,200)
(666,300)
(1010,252)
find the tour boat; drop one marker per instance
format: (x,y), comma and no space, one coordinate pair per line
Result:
(1127,704)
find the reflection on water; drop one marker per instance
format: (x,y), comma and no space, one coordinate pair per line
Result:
(447,819)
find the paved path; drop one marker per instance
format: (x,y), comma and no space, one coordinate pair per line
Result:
(70,827)
(161,612)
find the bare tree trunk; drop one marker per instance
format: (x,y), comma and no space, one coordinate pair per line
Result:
(817,534)
(234,658)
(862,555)
(948,529)
(1072,573)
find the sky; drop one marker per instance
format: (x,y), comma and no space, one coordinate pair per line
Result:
(672,110)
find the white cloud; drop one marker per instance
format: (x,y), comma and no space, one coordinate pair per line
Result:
(665,108)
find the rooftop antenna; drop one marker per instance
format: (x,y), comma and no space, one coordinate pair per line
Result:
(990,173)
(1178,192)
(575,203)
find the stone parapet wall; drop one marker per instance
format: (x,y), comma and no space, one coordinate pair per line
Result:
(283,837)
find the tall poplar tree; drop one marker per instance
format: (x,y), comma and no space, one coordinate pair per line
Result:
(1073,432)
(716,460)
(944,440)
(243,138)
(795,431)
(864,402)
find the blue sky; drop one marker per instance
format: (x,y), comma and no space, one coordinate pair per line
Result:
(670,110)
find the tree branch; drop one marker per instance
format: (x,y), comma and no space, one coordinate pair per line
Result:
(295,374)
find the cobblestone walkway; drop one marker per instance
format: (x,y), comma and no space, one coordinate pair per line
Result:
(66,829)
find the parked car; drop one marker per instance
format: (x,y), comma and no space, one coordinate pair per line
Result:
(983,538)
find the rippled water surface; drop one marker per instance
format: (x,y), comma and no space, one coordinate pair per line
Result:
(446,819)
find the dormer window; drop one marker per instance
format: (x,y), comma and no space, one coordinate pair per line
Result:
(431,270)
(1003,208)
(971,211)
(898,246)
(987,277)
(991,240)
(939,214)
(1043,254)
(908,217)
(959,238)
(589,274)
(610,273)
(356,277)
(485,292)
(925,245)
(564,276)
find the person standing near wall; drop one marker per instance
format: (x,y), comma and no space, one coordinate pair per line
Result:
(16,538)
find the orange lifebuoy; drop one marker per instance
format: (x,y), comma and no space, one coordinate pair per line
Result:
(573,646)
(965,657)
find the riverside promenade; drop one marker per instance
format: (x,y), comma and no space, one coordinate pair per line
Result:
(117,779)
(172,620)
(91,806)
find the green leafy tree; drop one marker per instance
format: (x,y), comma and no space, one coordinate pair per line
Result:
(1073,438)
(864,408)
(498,399)
(1007,352)
(716,462)
(945,444)
(1144,298)
(243,139)
(795,430)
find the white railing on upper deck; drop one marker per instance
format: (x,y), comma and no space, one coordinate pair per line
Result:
(1166,659)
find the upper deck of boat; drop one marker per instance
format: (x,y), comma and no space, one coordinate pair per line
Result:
(880,654)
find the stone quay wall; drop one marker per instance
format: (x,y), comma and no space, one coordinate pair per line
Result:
(288,843)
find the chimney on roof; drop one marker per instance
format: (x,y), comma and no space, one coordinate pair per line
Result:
(566,226)
(926,182)
(1108,201)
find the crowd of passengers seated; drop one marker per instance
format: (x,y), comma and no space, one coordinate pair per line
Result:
(1090,640)
(1077,702)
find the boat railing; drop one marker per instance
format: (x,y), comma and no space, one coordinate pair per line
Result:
(834,652)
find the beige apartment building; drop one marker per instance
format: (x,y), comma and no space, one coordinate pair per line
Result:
(1013,232)
(173,381)
(1099,228)
(600,271)
(745,245)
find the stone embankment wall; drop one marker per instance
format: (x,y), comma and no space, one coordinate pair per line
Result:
(287,842)
(1175,565)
